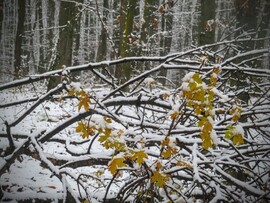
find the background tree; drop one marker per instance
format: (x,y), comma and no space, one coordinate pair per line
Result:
(41,32)
(128,11)
(207,22)
(150,25)
(102,48)
(67,20)
(19,40)
(166,12)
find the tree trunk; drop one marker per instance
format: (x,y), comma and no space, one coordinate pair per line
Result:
(246,16)
(206,28)
(18,42)
(150,24)
(127,14)
(65,41)
(166,36)
(102,47)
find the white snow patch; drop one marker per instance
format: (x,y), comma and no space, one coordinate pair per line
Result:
(213,136)
(188,76)
(185,86)
(238,129)
(195,163)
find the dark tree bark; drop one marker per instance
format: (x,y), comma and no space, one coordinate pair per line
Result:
(246,16)
(150,25)
(166,36)
(18,42)
(102,47)
(1,16)
(65,42)
(127,14)
(206,27)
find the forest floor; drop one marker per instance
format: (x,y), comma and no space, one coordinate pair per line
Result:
(28,177)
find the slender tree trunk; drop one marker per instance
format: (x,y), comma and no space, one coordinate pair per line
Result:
(166,36)
(1,16)
(18,41)
(263,21)
(65,41)
(102,47)
(127,14)
(246,16)
(206,28)
(150,24)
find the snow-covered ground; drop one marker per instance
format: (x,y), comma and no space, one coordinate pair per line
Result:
(28,177)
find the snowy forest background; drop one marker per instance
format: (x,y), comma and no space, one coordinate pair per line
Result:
(135,101)
(37,36)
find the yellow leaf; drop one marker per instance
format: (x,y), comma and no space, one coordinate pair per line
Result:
(207,143)
(107,120)
(84,101)
(99,173)
(196,78)
(238,139)
(81,93)
(159,165)
(119,146)
(211,95)
(91,130)
(230,127)
(192,86)
(139,157)
(167,153)
(165,142)
(115,164)
(235,118)
(232,111)
(107,131)
(85,201)
(216,70)
(190,103)
(108,144)
(71,92)
(103,138)
(228,135)
(82,129)
(165,96)
(202,121)
(199,95)
(207,127)
(213,80)
(184,164)
(85,130)
(174,115)
(159,179)
(197,111)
